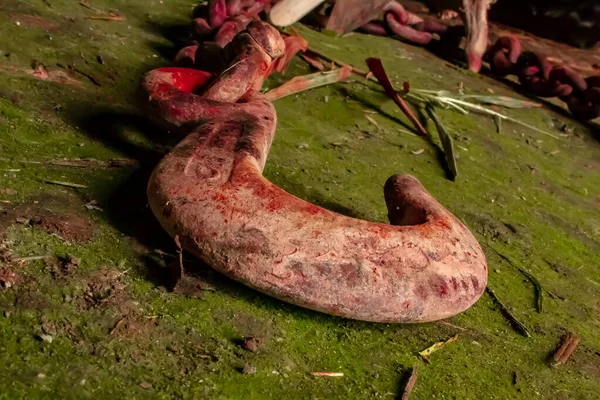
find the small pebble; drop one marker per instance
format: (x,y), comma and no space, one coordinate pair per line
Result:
(46,338)
(249,369)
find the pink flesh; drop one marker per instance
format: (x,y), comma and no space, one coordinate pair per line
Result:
(374,29)
(217,13)
(406,31)
(477,31)
(186,57)
(293,45)
(230,28)
(209,192)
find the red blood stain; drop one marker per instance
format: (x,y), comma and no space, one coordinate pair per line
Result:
(219,197)
(274,205)
(475,282)
(312,209)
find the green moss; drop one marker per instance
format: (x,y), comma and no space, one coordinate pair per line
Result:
(325,151)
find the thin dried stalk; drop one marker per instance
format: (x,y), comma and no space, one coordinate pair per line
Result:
(301,83)
(376,67)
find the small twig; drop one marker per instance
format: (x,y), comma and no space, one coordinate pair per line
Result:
(355,70)
(568,345)
(327,373)
(73,68)
(117,325)
(446,323)
(86,5)
(515,323)
(537,286)
(107,18)
(81,162)
(410,383)
(68,184)
(32,258)
(93,163)
(377,69)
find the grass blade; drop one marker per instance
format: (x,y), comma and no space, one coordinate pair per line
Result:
(305,82)
(504,101)
(447,143)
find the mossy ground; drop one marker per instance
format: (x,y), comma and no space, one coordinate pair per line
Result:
(531,197)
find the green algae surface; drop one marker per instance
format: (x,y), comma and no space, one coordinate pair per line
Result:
(84,309)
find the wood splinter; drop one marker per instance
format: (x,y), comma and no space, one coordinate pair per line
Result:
(567,347)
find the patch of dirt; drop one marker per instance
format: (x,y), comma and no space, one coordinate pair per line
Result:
(62,267)
(68,226)
(186,282)
(104,289)
(8,271)
(29,298)
(8,277)
(133,325)
(248,326)
(40,72)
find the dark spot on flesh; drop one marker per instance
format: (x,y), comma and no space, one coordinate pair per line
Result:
(433,255)
(274,205)
(439,286)
(218,141)
(351,274)
(422,292)
(323,269)
(245,143)
(475,282)
(454,284)
(312,209)
(251,241)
